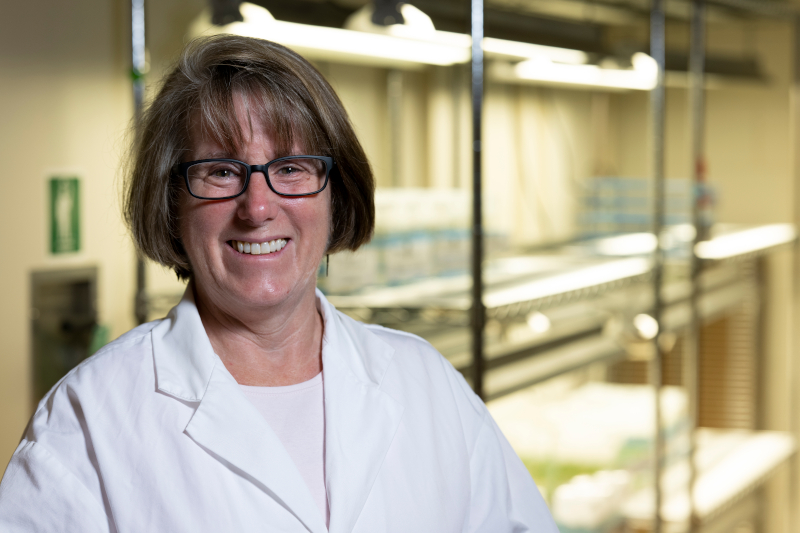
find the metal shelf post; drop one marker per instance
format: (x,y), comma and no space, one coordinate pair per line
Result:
(138,68)
(657,105)
(478,311)
(697,122)
(794,368)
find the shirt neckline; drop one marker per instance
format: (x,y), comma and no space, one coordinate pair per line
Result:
(283,389)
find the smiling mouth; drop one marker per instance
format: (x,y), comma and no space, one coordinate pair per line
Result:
(258,248)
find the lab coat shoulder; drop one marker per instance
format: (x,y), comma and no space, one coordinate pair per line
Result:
(35,475)
(94,386)
(51,482)
(417,360)
(502,494)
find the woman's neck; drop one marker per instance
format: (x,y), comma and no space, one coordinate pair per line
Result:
(271,348)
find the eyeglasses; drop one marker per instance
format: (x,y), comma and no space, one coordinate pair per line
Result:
(221,179)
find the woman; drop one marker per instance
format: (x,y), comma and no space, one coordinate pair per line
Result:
(255,405)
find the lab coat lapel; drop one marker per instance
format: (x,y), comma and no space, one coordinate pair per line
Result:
(361,419)
(229,427)
(225,423)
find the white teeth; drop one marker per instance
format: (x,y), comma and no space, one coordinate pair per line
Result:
(256,248)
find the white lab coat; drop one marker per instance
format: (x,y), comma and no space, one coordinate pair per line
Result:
(153,434)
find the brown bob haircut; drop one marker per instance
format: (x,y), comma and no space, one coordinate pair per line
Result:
(280,88)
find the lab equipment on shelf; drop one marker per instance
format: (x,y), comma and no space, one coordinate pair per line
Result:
(615,205)
(597,426)
(419,233)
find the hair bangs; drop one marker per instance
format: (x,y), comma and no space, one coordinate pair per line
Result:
(291,128)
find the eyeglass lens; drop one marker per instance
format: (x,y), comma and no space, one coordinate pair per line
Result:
(219,179)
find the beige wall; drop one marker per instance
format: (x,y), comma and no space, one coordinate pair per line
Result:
(747,127)
(537,152)
(64,103)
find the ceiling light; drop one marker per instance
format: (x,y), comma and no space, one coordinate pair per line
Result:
(335,44)
(416,43)
(518,50)
(415,25)
(643,76)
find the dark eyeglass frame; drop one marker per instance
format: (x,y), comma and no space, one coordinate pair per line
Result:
(182,169)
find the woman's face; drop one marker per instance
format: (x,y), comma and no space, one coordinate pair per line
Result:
(235,281)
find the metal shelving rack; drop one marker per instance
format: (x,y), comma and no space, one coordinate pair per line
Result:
(713,285)
(616,284)
(469,302)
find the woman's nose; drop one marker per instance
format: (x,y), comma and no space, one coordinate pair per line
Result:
(258,204)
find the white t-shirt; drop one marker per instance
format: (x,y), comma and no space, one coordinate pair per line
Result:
(296,413)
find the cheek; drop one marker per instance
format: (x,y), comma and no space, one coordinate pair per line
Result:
(198,225)
(189,225)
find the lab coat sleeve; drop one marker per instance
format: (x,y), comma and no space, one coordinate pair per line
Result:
(504,498)
(38,494)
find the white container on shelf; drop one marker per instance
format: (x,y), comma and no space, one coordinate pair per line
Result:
(419,233)
(591,503)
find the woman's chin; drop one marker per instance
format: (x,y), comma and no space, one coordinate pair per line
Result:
(259,293)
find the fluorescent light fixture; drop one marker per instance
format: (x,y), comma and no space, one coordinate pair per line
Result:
(319,42)
(518,50)
(409,45)
(746,241)
(643,76)
(417,24)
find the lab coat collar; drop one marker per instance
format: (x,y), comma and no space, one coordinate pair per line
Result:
(184,358)
(225,423)
(361,419)
(366,356)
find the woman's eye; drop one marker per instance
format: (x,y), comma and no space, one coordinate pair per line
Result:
(287,170)
(223,173)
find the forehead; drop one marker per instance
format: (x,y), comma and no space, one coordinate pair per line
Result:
(231,123)
(206,141)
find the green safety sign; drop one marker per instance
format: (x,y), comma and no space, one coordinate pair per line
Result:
(65,230)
